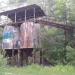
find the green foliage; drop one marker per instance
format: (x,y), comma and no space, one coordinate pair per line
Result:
(70,55)
(1,38)
(39,70)
(53,41)
(2,61)
(56,52)
(65,11)
(61,9)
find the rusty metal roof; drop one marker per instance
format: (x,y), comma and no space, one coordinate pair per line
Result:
(20,12)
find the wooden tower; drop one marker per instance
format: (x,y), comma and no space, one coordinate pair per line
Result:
(21,40)
(21,36)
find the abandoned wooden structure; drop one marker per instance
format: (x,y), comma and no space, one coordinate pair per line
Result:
(21,36)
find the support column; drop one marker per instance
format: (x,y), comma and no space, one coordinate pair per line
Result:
(41,56)
(19,57)
(13,60)
(26,58)
(34,56)
(65,44)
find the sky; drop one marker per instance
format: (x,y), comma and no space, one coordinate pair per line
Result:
(3,2)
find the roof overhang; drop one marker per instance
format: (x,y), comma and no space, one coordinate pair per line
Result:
(20,12)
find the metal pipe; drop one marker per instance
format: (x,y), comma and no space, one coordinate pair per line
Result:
(25,15)
(7,20)
(15,17)
(34,15)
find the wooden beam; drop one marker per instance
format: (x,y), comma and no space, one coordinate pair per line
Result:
(57,25)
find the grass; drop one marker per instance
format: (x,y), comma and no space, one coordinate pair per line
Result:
(38,70)
(35,69)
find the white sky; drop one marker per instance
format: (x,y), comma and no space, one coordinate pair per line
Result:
(3,2)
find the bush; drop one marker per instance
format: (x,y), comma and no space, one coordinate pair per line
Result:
(2,61)
(70,55)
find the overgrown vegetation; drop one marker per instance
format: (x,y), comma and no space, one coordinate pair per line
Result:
(2,61)
(53,39)
(38,70)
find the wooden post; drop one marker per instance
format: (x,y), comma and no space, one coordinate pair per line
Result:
(33,56)
(41,56)
(34,15)
(15,17)
(65,44)
(19,57)
(25,15)
(7,20)
(13,57)
(24,58)
(33,53)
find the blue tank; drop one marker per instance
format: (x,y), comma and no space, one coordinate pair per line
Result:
(10,37)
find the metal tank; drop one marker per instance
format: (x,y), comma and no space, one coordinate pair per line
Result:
(10,37)
(29,35)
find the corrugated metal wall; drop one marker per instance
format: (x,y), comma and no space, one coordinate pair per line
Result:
(27,36)
(10,37)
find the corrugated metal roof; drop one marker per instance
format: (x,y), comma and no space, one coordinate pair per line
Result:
(20,12)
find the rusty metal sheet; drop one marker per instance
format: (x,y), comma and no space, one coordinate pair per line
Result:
(28,36)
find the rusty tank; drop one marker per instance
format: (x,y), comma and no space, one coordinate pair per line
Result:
(29,35)
(10,37)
